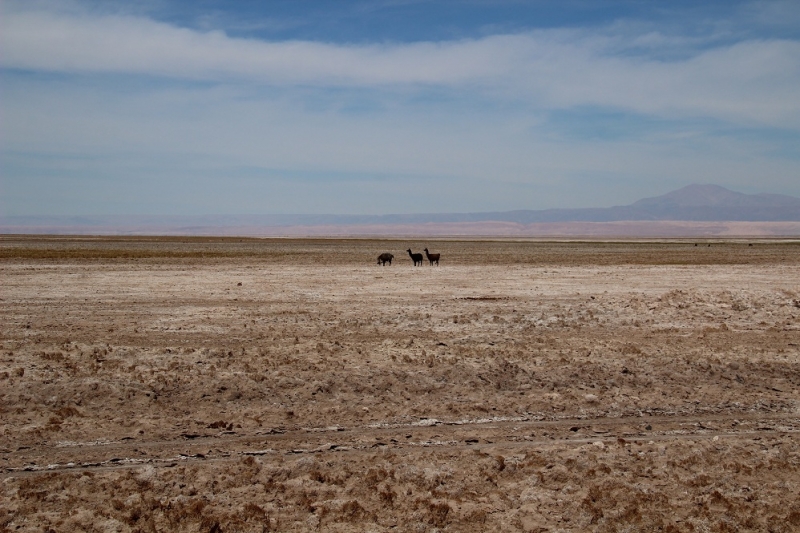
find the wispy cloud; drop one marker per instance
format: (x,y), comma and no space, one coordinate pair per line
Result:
(120,110)
(750,80)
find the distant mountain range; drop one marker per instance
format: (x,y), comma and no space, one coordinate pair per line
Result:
(693,203)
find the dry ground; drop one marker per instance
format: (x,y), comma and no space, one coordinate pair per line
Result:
(191,384)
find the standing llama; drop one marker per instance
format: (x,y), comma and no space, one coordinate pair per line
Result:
(432,258)
(417,258)
(384,258)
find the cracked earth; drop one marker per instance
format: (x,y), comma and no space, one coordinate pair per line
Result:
(192,384)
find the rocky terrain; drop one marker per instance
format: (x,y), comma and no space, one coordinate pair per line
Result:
(213,384)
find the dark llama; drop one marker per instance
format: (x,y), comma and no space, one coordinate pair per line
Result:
(432,258)
(417,258)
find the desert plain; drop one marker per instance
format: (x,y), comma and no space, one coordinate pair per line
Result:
(227,384)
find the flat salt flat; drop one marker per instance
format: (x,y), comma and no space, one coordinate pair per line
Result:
(293,385)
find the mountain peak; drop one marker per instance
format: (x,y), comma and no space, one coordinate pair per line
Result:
(709,195)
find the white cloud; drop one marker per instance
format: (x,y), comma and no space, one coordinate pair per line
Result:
(461,125)
(215,139)
(69,43)
(755,81)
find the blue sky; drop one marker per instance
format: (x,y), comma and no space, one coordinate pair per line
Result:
(393,106)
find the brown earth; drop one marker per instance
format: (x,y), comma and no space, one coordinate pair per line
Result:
(199,384)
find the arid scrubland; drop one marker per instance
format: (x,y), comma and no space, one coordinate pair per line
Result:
(193,384)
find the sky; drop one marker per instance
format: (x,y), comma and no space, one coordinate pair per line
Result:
(391,106)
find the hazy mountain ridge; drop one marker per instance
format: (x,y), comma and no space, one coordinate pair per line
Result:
(704,203)
(693,203)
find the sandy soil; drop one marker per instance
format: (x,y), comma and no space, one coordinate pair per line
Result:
(293,385)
